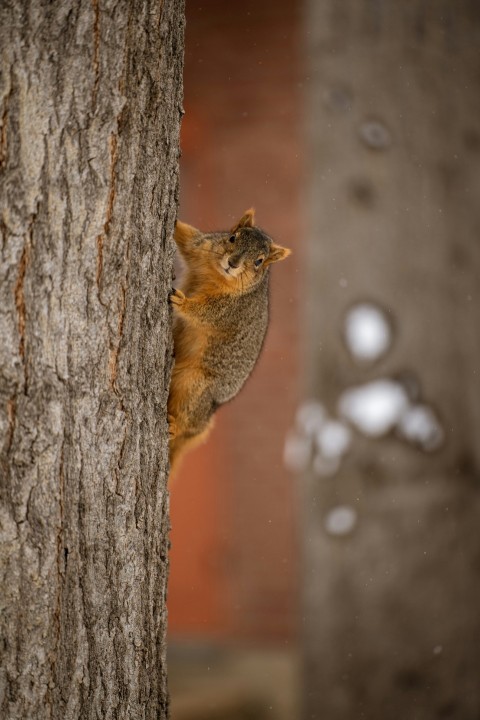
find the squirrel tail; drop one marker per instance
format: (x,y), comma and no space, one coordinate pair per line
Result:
(181,444)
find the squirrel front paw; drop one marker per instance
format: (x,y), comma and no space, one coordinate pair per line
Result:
(172,427)
(177,297)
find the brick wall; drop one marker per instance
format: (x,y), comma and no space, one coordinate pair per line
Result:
(234,571)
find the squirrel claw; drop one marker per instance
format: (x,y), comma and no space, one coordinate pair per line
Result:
(177,297)
(172,427)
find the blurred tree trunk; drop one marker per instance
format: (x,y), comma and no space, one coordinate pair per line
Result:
(392,625)
(90,106)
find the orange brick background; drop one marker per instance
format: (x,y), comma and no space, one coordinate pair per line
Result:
(234,562)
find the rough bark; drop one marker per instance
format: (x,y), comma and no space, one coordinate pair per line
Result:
(90,105)
(391,610)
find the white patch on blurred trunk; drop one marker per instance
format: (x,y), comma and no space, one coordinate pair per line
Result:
(368,333)
(420,426)
(374,408)
(341,520)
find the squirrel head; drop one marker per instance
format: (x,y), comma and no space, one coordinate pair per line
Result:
(241,256)
(244,254)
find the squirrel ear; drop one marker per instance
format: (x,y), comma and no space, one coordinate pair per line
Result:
(277,253)
(247,220)
(184,232)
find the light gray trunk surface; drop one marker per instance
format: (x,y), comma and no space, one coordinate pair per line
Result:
(392,621)
(90,104)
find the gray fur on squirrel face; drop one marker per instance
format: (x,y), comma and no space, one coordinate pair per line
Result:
(245,250)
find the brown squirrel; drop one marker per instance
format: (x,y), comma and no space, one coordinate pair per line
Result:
(220,322)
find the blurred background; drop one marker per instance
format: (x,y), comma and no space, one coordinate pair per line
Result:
(325,554)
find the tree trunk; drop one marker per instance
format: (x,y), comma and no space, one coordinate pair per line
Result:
(90,107)
(392,625)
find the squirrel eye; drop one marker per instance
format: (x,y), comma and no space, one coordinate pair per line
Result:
(258,262)
(232,238)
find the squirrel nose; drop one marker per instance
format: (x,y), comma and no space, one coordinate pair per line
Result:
(233,264)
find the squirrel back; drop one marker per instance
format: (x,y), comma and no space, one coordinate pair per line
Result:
(220,322)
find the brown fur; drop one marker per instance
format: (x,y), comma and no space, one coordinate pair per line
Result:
(220,301)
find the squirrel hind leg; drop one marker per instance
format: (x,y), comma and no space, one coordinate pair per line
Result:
(180,445)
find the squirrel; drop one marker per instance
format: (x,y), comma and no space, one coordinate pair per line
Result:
(220,322)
